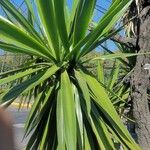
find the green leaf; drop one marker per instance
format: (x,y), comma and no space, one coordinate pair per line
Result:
(112,79)
(83,17)
(60,122)
(120,59)
(23,68)
(85,90)
(100,71)
(61,23)
(68,106)
(39,108)
(29,4)
(44,107)
(106,24)
(79,115)
(15,49)
(73,10)
(49,24)
(35,108)
(45,134)
(20,18)
(8,15)
(102,129)
(14,35)
(119,55)
(19,75)
(105,105)
(88,140)
(29,83)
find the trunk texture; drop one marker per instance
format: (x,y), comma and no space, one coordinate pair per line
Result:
(140,82)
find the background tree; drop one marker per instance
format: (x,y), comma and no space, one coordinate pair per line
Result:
(139,30)
(71,109)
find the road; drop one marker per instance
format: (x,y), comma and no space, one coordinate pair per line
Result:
(18,118)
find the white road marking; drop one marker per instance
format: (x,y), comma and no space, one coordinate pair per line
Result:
(19,125)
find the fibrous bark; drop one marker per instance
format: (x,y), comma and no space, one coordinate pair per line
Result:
(140,82)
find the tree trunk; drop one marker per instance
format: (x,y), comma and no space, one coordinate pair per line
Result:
(140,82)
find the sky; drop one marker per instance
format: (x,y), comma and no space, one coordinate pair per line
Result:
(101,7)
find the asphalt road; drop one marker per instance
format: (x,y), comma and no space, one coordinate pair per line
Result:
(18,118)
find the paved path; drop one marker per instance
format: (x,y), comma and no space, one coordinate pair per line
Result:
(19,118)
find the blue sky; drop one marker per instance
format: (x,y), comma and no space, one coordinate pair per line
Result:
(104,4)
(101,5)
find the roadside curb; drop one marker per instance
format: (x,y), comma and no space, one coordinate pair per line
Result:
(15,104)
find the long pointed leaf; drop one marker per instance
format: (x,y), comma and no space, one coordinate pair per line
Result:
(61,23)
(47,16)
(83,17)
(20,18)
(29,84)
(107,108)
(14,35)
(66,94)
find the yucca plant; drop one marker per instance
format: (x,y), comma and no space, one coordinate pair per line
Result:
(114,76)
(71,109)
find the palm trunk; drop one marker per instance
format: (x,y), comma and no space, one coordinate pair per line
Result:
(140,82)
